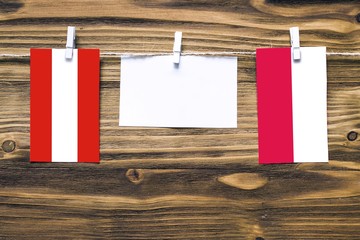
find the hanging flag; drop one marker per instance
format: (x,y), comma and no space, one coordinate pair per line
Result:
(64,106)
(292,109)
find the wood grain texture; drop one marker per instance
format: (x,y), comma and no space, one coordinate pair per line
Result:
(179,183)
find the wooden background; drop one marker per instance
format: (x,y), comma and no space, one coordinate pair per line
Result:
(180,183)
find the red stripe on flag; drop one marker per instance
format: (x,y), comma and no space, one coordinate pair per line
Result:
(40,105)
(273,74)
(88,105)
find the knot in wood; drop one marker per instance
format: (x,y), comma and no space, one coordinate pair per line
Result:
(352,136)
(259,238)
(135,176)
(8,146)
(358,18)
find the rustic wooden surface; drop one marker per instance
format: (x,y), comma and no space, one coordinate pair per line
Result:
(180,183)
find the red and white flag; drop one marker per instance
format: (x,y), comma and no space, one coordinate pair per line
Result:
(64,106)
(292,112)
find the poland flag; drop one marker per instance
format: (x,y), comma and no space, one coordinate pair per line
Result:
(292,112)
(64,106)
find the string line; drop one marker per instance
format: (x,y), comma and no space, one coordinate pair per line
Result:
(129,54)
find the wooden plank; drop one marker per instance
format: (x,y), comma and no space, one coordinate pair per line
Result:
(149,25)
(180,183)
(83,202)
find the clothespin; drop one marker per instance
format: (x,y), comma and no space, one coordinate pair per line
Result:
(177,47)
(70,42)
(295,42)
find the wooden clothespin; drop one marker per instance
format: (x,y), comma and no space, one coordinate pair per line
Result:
(70,42)
(177,47)
(295,42)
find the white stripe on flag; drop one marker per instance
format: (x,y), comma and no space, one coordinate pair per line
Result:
(64,133)
(309,84)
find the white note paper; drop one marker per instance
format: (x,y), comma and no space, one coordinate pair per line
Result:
(200,92)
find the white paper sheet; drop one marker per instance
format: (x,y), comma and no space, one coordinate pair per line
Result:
(200,92)
(309,88)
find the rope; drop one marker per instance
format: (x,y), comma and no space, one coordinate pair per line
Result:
(127,54)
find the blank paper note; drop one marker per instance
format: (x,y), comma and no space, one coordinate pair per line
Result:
(200,92)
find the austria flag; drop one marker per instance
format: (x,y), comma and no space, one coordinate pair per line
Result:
(292,112)
(64,106)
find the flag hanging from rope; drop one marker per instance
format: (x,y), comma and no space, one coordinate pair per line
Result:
(292,112)
(64,105)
